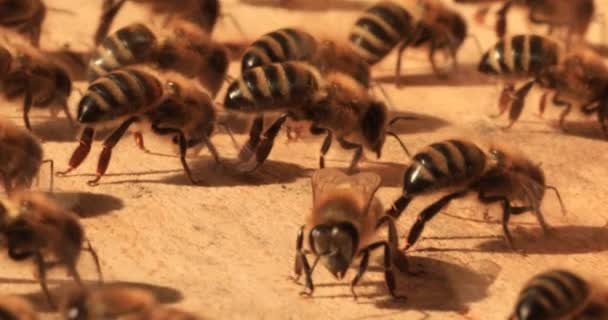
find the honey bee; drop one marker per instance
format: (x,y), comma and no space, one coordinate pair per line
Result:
(335,103)
(185,49)
(40,81)
(13,307)
(35,227)
(342,226)
(497,173)
(24,17)
(560,294)
(128,96)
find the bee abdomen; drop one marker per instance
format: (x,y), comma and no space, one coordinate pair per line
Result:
(279,46)
(379,29)
(442,164)
(129,45)
(119,93)
(520,55)
(552,295)
(274,86)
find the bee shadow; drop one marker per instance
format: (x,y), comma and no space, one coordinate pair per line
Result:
(164,295)
(88,204)
(307,5)
(59,129)
(415,122)
(589,129)
(465,75)
(390,172)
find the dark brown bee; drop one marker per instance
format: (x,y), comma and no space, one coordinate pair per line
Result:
(24,17)
(335,103)
(40,81)
(342,225)
(496,174)
(129,96)
(519,57)
(185,49)
(16,308)
(560,294)
(36,228)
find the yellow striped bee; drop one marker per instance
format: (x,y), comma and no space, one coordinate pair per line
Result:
(560,294)
(335,103)
(342,225)
(127,96)
(36,228)
(24,17)
(13,307)
(496,173)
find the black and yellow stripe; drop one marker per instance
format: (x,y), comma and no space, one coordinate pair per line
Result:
(524,55)
(444,163)
(128,45)
(273,86)
(279,46)
(380,28)
(117,94)
(556,294)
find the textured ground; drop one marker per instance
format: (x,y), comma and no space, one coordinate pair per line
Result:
(225,250)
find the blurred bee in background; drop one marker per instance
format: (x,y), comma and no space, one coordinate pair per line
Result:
(560,294)
(185,49)
(35,227)
(128,96)
(24,17)
(335,103)
(342,226)
(496,173)
(42,83)
(13,307)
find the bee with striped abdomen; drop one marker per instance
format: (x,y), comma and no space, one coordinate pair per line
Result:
(16,308)
(560,294)
(519,57)
(496,173)
(335,103)
(128,96)
(24,17)
(37,228)
(343,223)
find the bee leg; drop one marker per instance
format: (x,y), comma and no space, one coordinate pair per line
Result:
(95,257)
(68,115)
(39,260)
(265,146)
(399,206)
(428,214)
(507,211)
(109,12)
(139,141)
(404,44)
(108,145)
(506,97)
(297,269)
(182,148)
(542,104)
(432,52)
(398,258)
(557,100)
(325,147)
(501,19)
(81,152)
(347,145)
(27,105)
(518,102)
(212,149)
(255,132)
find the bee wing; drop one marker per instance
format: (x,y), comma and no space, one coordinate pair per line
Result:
(363,184)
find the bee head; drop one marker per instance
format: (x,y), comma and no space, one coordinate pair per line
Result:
(336,245)
(373,126)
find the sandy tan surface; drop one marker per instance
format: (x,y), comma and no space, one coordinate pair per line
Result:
(225,249)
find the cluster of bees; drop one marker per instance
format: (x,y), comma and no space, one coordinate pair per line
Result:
(166,82)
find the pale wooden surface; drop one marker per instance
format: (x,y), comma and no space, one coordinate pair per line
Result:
(225,250)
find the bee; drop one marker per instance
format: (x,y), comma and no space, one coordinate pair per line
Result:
(519,57)
(24,17)
(560,294)
(105,302)
(40,81)
(13,307)
(35,227)
(335,103)
(186,49)
(128,96)
(342,226)
(498,174)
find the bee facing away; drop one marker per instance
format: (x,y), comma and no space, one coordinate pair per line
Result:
(13,307)
(496,173)
(40,81)
(36,228)
(186,49)
(560,294)
(344,220)
(24,17)
(128,96)
(336,104)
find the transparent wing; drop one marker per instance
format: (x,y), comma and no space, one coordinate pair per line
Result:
(364,184)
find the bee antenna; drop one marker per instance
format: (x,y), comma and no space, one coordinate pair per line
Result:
(235,23)
(399,118)
(388,99)
(58,10)
(559,198)
(394,135)
(477,43)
